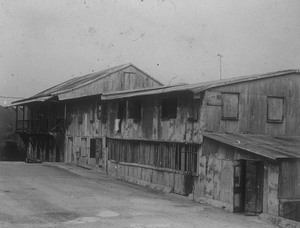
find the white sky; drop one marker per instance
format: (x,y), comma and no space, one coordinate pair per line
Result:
(43,43)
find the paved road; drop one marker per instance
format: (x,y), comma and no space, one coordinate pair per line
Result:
(45,195)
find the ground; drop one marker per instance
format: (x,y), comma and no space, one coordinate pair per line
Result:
(60,195)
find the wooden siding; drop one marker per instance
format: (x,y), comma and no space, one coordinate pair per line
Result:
(216,172)
(289,179)
(113,82)
(252,118)
(82,120)
(152,126)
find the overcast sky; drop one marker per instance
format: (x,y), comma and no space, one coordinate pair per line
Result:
(46,42)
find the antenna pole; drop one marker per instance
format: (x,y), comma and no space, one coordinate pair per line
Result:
(220,58)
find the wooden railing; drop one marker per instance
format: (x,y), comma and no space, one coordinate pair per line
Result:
(40,125)
(178,156)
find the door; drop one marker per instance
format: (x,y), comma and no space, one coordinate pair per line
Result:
(239,186)
(69,155)
(254,188)
(248,187)
(83,160)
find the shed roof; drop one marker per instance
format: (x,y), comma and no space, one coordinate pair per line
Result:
(78,82)
(194,88)
(272,147)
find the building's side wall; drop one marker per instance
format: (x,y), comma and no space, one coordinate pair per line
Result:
(289,189)
(253,107)
(216,176)
(114,82)
(157,154)
(82,123)
(152,126)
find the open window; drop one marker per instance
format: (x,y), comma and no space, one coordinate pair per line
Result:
(121,115)
(102,111)
(135,109)
(275,107)
(230,106)
(169,108)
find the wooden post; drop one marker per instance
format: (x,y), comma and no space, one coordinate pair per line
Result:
(17,117)
(23,117)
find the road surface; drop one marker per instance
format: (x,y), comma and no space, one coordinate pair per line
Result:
(60,195)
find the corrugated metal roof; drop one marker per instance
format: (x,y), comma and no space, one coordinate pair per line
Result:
(272,147)
(78,82)
(194,88)
(39,99)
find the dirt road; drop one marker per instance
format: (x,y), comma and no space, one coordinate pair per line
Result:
(43,195)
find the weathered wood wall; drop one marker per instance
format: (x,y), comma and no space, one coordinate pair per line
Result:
(83,121)
(252,117)
(216,176)
(152,126)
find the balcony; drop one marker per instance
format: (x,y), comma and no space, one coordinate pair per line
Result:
(40,126)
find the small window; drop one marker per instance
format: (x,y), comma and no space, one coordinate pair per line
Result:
(169,108)
(129,80)
(135,109)
(275,109)
(92,113)
(230,106)
(121,115)
(102,111)
(121,110)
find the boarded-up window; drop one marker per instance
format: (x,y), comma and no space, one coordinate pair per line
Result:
(169,108)
(230,106)
(129,80)
(135,109)
(275,109)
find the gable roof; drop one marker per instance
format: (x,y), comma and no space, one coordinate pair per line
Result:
(273,147)
(194,88)
(78,82)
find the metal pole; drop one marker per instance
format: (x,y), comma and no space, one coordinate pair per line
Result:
(220,56)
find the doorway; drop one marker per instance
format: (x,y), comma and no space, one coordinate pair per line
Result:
(248,187)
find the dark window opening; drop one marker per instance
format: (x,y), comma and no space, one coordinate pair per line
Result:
(102,111)
(275,108)
(169,108)
(121,115)
(230,106)
(135,109)
(93,148)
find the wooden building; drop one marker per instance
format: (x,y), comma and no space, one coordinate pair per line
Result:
(65,118)
(232,143)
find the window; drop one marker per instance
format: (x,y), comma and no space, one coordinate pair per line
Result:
(121,110)
(121,115)
(102,111)
(135,109)
(230,106)
(92,113)
(169,108)
(275,109)
(129,80)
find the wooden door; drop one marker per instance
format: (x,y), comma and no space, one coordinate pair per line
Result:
(254,188)
(239,186)
(83,152)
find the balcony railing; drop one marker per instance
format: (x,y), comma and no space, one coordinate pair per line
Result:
(40,125)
